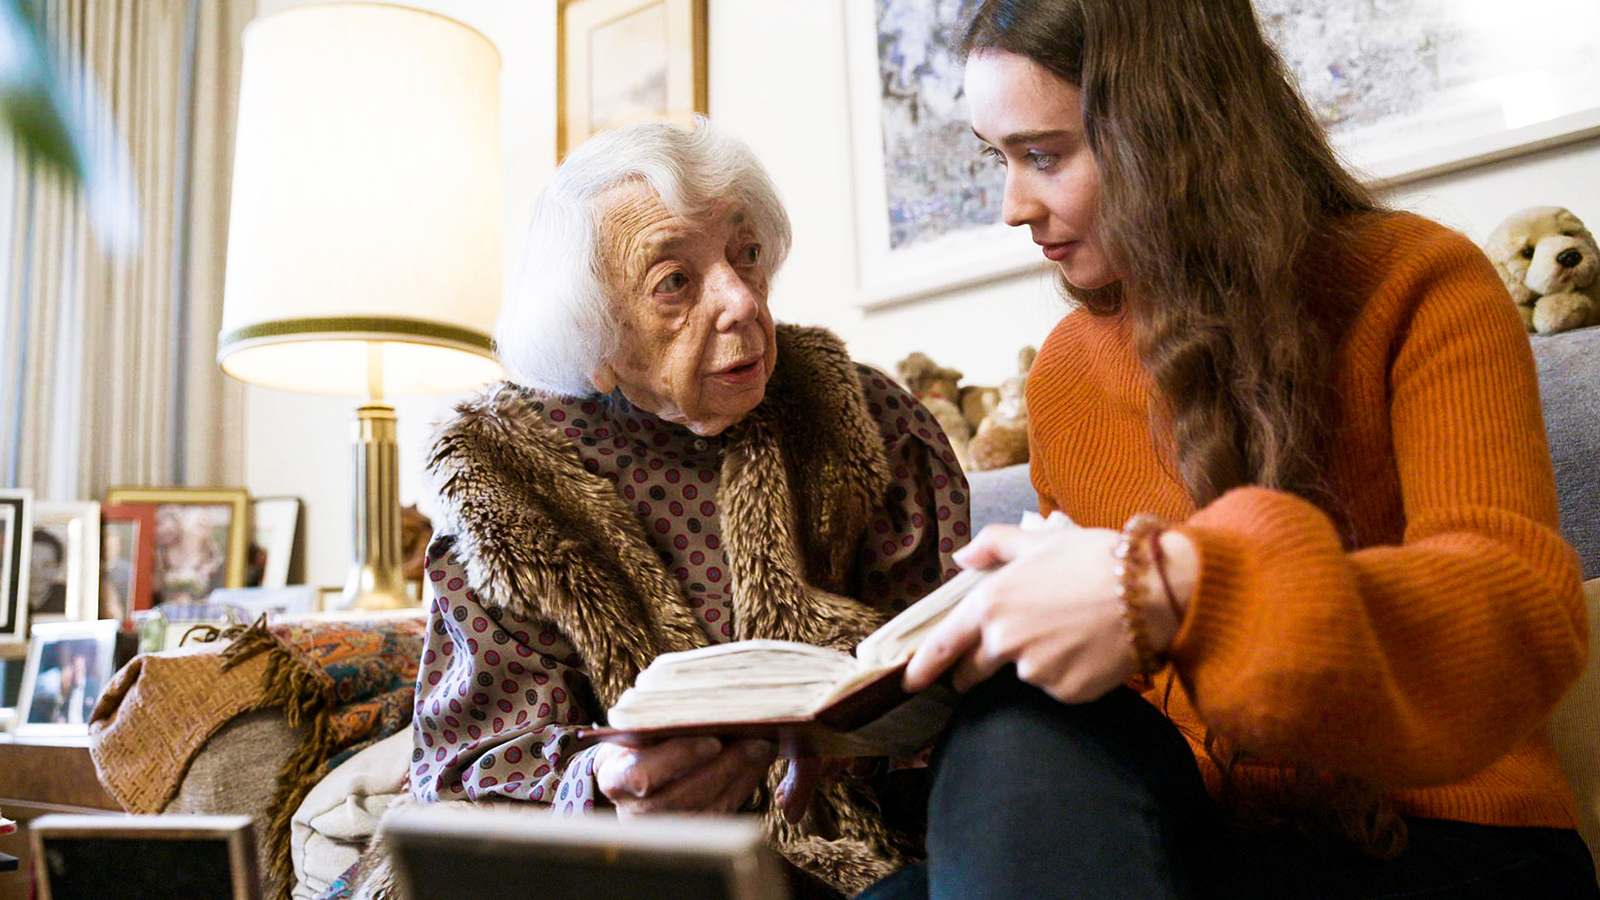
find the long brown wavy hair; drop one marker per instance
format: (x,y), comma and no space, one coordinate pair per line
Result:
(1215,180)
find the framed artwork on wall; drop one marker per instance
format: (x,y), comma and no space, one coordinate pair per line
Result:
(927,202)
(201,538)
(1416,88)
(622,61)
(69,663)
(64,566)
(16,530)
(127,559)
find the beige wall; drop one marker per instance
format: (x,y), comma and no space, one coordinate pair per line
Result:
(777,78)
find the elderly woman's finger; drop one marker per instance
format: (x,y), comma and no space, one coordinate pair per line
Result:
(799,783)
(645,771)
(721,785)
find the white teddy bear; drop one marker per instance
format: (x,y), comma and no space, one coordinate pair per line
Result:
(1551,265)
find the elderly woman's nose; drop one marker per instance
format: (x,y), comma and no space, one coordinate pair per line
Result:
(737,301)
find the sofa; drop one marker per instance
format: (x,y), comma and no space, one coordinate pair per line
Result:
(233,769)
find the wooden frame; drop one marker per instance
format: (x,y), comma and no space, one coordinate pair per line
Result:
(136,846)
(128,535)
(16,530)
(42,710)
(649,56)
(74,591)
(176,574)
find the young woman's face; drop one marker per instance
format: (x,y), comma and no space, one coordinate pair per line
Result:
(1033,124)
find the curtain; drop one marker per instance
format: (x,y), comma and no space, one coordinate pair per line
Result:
(107,362)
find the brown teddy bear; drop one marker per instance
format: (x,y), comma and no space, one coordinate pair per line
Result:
(939,390)
(1551,264)
(1002,438)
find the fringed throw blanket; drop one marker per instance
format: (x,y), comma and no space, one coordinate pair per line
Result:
(352,683)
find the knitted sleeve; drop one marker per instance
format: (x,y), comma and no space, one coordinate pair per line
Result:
(1422,662)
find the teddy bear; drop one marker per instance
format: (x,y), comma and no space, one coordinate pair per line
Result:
(1002,438)
(938,388)
(1551,264)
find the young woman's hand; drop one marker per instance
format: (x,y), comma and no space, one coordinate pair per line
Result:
(1053,611)
(685,775)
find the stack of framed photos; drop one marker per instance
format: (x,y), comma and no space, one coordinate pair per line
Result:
(74,575)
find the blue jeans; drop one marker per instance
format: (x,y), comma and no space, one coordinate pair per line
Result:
(1034,798)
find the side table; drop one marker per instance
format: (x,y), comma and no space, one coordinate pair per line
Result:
(39,776)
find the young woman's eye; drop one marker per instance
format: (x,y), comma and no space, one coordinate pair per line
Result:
(1041,161)
(993,154)
(672,284)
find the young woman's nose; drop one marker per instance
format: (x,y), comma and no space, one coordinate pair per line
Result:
(1019,205)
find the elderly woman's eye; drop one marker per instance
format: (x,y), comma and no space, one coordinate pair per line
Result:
(1527,253)
(750,255)
(672,284)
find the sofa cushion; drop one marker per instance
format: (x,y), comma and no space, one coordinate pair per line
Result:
(1569,383)
(334,822)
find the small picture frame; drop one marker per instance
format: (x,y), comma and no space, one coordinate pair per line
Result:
(12,661)
(623,61)
(64,563)
(127,559)
(69,663)
(201,538)
(274,523)
(16,527)
(197,857)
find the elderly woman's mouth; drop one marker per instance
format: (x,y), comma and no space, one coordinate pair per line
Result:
(741,372)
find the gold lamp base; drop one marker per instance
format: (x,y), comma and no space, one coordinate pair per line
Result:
(376,580)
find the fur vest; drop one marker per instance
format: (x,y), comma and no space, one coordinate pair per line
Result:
(802,476)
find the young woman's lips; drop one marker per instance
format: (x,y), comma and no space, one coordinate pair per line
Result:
(1057,252)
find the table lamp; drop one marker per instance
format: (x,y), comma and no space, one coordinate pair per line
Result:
(364,241)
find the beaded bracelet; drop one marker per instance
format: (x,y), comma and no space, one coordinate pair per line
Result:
(1133,563)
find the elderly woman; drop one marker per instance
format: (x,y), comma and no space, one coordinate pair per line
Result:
(667,468)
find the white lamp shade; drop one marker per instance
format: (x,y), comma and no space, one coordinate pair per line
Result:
(364,241)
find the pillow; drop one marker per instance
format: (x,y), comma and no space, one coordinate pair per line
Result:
(339,815)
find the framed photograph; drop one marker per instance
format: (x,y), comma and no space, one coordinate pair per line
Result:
(68,665)
(191,856)
(201,538)
(1417,88)
(623,61)
(127,559)
(16,529)
(927,201)
(274,524)
(64,563)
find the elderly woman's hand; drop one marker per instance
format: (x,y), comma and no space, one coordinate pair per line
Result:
(686,775)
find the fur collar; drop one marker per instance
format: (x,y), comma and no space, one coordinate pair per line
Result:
(543,538)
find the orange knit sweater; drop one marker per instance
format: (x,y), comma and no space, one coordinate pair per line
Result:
(1427,659)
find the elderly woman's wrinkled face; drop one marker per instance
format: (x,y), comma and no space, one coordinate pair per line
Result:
(697,343)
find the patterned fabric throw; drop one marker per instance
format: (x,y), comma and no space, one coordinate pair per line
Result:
(353,681)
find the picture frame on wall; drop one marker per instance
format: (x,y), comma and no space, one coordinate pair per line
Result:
(127,559)
(927,202)
(16,530)
(1413,90)
(274,523)
(69,664)
(64,567)
(202,538)
(624,61)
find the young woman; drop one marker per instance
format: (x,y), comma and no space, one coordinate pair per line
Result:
(1341,588)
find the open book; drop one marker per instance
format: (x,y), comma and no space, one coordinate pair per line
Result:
(810,700)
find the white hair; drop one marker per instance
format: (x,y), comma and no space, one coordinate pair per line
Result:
(558,323)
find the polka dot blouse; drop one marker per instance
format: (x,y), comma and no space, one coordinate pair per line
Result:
(498,695)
